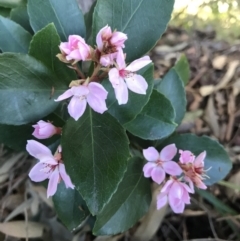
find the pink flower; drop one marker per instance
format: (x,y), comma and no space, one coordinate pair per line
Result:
(93,93)
(134,82)
(161,163)
(43,130)
(49,167)
(109,43)
(176,193)
(193,168)
(106,38)
(75,49)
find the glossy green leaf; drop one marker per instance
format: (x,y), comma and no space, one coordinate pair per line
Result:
(172,87)
(14,38)
(5,12)
(70,206)
(128,204)
(66,16)
(136,102)
(144,22)
(88,17)
(183,69)
(44,47)
(20,16)
(216,162)
(155,121)
(11,3)
(26,89)
(95,152)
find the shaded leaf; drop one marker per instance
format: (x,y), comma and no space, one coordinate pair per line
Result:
(155,121)
(20,16)
(121,213)
(95,152)
(44,47)
(5,12)
(11,3)
(172,87)
(127,112)
(25,90)
(143,23)
(66,16)
(14,38)
(70,206)
(183,69)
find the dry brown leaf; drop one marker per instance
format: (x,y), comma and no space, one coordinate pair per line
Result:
(235,180)
(219,62)
(211,117)
(13,201)
(21,229)
(209,89)
(170,49)
(20,209)
(231,114)
(152,220)
(8,164)
(236,87)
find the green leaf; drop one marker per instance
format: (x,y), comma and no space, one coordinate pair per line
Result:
(143,22)
(20,16)
(128,204)
(216,159)
(182,68)
(88,17)
(11,3)
(70,206)
(126,113)
(156,120)
(5,12)
(14,38)
(172,87)
(95,152)
(66,16)
(26,89)
(44,47)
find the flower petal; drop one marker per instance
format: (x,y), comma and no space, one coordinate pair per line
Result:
(147,169)
(35,149)
(177,208)
(114,77)
(120,59)
(172,168)
(137,83)
(121,92)
(161,200)
(199,161)
(80,90)
(97,104)
(176,190)
(138,64)
(104,32)
(65,177)
(151,154)
(98,90)
(167,186)
(53,182)
(76,107)
(37,173)
(158,175)
(67,94)
(186,156)
(168,152)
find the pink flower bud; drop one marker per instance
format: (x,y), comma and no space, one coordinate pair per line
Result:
(75,49)
(43,130)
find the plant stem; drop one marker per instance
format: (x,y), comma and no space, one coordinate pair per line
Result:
(79,72)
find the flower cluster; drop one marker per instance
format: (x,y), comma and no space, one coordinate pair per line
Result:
(184,175)
(109,59)
(49,166)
